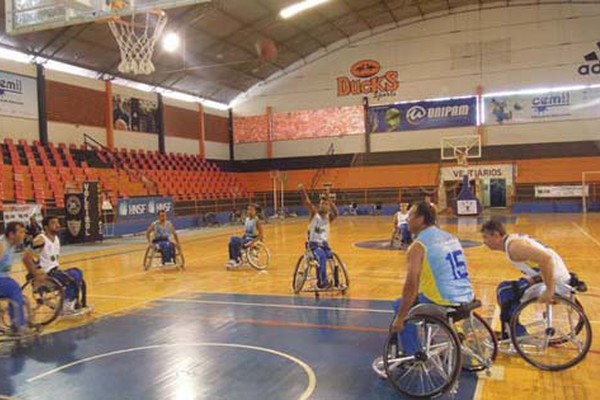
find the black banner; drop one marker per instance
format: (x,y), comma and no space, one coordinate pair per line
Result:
(82,215)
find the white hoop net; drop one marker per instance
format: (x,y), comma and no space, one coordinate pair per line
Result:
(136,37)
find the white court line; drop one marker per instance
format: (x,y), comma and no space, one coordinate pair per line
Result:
(593,239)
(246,304)
(312,379)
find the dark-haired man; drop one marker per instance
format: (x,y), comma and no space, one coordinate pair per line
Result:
(45,255)
(538,262)
(14,234)
(253,232)
(437,272)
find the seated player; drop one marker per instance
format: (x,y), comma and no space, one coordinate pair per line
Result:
(401,226)
(538,262)
(437,272)
(159,233)
(46,255)
(14,235)
(318,233)
(253,232)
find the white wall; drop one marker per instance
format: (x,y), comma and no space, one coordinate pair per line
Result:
(59,132)
(250,151)
(311,147)
(562,131)
(450,55)
(181,145)
(216,150)
(136,140)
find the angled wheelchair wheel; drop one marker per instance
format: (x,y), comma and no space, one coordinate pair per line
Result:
(179,259)
(433,369)
(149,257)
(341,280)
(258,256)
(45,300)
(551,337)
(478,342)
(300,274)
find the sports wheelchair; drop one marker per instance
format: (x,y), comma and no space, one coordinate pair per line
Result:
(307,269)
(552,337)
(153,258)
(450,338)
(257,256)
(36,318)
(45,300)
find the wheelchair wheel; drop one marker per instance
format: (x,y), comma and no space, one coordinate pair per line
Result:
(45,300)
(148,257)
(578,326)
(300,274)
(340,274)
(547,336)
(479,344)
(258,256)
(431,371)
(179,259)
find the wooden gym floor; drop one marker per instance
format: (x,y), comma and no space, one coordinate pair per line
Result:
(157,334)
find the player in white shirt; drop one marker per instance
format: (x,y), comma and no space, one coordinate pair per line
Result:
(47,247)
(538,262)
(318,233)
(401,226)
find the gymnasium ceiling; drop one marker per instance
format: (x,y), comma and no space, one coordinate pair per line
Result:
(221,34)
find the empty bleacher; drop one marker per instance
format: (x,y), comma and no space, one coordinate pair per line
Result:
(44,173)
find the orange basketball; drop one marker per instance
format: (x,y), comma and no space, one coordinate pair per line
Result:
(266,49)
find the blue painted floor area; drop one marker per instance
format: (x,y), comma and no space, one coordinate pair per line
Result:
(214,346)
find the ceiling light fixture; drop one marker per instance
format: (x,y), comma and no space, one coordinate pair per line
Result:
(171,42)
(297,8)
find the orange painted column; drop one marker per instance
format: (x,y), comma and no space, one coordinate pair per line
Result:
(110,132)
(201,132)
(269,112)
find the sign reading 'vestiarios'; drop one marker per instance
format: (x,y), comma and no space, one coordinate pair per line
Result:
(367,78)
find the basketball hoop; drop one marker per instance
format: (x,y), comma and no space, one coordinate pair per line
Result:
(461,158)
(136,36)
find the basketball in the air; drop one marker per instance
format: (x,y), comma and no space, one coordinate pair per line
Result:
(266,49)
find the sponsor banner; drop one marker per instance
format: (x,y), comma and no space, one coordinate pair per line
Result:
(144,208)
(553,106)
(560,191)
(367,78)
(498,171)
(22,213)
(423,115)
(132,114)
(82,215)
(18,95)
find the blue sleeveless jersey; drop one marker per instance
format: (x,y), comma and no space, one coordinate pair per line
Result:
(445,278)
(8,257)
(161,232)
(250,230)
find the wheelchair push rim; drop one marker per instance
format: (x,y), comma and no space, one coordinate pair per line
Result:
(556,337)
(478,342)
(431,371)
(45,301)
(253,255)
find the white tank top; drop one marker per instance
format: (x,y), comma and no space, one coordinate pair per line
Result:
(318,230)
(402,218)
(561,272)
(49,254)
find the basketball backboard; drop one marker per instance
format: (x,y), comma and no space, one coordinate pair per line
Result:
(461,148)
(23,16)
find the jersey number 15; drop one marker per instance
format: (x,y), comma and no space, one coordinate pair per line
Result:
(459,266)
